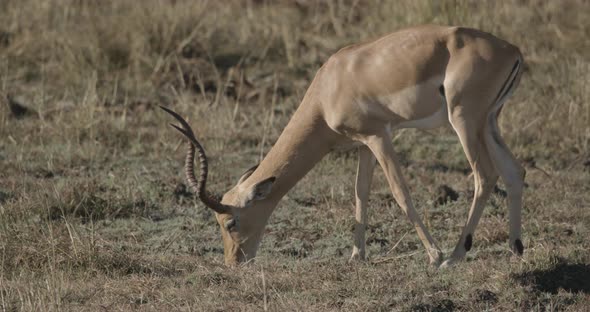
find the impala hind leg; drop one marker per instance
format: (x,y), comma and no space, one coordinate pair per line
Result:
(471,135)
(382,147)
(512,174)
(364,175)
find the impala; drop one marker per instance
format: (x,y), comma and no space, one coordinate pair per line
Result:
(422,77)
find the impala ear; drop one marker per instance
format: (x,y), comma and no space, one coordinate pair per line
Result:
(261,190)
(247,174)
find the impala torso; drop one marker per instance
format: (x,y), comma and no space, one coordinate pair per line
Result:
(421,77)
(400,79)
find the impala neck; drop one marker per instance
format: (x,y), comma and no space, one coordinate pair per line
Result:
(304,142)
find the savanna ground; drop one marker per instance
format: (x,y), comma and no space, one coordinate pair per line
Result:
(95,213)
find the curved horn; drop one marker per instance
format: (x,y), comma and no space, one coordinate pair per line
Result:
(198,185)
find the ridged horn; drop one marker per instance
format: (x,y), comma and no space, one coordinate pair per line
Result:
(198,185)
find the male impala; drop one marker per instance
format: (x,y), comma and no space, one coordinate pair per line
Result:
(422,77)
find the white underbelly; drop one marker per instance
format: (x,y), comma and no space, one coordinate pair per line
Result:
(436,120)
(420,106)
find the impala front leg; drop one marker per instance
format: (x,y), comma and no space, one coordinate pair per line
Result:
(471,135)
(364,175)
(382,148)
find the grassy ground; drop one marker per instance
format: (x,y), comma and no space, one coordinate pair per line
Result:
(95,215)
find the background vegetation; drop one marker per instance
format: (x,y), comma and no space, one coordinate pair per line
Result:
(95,215)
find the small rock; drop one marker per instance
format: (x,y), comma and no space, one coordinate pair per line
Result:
(445,194)
(568,232)
(484,295)
(18,109)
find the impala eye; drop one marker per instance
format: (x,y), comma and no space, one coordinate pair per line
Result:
(230,224)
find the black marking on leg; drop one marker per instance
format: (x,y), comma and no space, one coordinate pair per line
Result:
(519,247)
(508,84)
(468,242)
(441,89)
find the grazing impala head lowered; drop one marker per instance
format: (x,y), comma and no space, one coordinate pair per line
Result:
(239,241)
(422,77)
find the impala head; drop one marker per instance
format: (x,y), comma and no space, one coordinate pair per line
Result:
(240,213)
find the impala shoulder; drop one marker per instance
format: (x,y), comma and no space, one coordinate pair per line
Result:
(343,60)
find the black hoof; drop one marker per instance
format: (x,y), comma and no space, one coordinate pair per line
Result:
(468,242)
(519,247)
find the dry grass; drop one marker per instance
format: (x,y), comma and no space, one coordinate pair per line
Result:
(94,214)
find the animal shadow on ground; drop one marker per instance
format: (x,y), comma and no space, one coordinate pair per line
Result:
(563,275)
